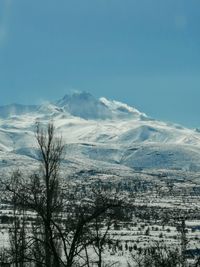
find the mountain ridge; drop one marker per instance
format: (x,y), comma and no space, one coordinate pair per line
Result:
(101,130)
(78,104)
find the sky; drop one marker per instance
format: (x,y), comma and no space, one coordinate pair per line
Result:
(145,53)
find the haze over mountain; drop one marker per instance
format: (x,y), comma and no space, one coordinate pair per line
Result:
(98,131)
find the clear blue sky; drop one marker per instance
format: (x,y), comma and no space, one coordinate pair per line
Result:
(143,52)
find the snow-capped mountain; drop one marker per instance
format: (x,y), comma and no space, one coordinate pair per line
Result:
(99,131)
(86,106)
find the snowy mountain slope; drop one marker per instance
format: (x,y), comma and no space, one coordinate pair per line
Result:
(16,109)
(122,110)
(101,130)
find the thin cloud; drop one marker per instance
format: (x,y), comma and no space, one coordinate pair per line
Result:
(4,21)
(181,22)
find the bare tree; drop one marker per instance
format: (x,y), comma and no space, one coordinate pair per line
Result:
(63,225)
(17,231)
(41,192)
(158,255)
(51,150)
(77,234)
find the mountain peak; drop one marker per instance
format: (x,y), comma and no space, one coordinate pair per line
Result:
(84,105)
(75,96)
